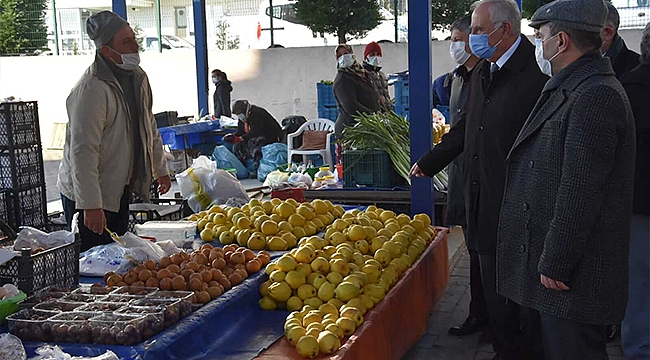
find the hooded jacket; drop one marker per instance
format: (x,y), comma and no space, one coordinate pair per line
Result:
(222,98)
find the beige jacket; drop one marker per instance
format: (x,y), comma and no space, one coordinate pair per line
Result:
(98,153)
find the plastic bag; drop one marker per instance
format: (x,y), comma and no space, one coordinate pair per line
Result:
(276,177)
(54,352)
(227,160)
(140,250)
(34,239)
(101,259)
(11,347)
(273,155)
(203,185)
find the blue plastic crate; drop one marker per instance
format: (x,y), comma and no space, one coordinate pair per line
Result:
(445,112)
(402,111)
(328,113)
(401,93)
(325,95)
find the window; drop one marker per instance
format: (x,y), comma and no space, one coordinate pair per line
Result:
(285,12)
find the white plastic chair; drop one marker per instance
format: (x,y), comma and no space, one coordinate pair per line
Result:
(314,125)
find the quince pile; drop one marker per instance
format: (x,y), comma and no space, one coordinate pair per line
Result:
(330,283)
(274,225)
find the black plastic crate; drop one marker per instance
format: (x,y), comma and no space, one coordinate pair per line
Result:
(5,196)
(54,267)
(370,169)
(27,207)
(21,167)
(19,124)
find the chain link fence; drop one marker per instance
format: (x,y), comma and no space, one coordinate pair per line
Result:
(634,14)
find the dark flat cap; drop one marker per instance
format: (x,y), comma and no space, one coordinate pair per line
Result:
(103,26)
(587,15)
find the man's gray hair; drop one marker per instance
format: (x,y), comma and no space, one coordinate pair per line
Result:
(645,46)
(463,24)
(502,11)
(613,19)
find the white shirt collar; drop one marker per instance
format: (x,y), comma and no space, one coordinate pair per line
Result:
(506,56)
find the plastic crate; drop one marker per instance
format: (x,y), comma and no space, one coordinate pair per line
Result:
(27,207)
(19,125)
(369,169)
(402,111)
(21,167)
(325,95)
(58,266)
(5,196)
(401,93)
(328,113)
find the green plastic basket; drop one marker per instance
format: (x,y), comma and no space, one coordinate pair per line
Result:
(10,306)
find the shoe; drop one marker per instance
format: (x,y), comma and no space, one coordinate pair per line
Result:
(470,326)
(613,331)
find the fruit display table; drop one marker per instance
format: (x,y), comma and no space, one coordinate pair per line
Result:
(393,326)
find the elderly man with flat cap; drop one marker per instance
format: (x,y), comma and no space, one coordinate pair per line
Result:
(564,223)
(112,145)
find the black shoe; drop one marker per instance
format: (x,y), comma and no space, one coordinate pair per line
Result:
(613,332)
(470,326)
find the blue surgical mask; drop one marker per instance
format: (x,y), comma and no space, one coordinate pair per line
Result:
(215,80)
(374,60)
(241,117)
(346,60)
(480,44)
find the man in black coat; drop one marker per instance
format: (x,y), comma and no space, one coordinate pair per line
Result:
(622,58)
(498,104)
(563,228)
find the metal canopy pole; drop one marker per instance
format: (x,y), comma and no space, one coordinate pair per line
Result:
(420,99)
(159,25)
(201,50)
(395,14)
(56,27)
(519,3)
(119,7)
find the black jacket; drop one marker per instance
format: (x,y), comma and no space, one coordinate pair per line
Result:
(494,113)
(380,82)
(637,87)
(261,124)
(353,95)
(222,98)
(568,198)
(623,59)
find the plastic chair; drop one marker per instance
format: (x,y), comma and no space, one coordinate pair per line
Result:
(314,125)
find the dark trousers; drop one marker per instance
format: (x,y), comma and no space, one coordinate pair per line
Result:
(516,332)
(477,307)
(117,222)
(568,340)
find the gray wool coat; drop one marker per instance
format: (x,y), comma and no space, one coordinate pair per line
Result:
(568,198)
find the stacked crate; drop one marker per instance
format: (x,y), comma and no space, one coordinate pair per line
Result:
(326,102)
(22,179)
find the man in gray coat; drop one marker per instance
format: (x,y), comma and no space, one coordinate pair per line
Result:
(563,229)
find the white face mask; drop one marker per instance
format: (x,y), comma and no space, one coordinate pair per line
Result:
(544,65)
(215,80)
(346,60)
(129,61)
(241,117)
(374,60)
(458,53)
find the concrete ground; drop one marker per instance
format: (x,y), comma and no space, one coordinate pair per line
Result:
(453,309)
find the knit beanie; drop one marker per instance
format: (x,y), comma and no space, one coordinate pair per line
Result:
(103,26)
(371,48)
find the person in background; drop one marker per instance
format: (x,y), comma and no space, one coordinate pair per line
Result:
(635,329)
(441,89)
(353,89)
(112,145)
(562,244)
(461,54)
(503,89)
(622,58)
(372,55)
(223,88)
(255,129)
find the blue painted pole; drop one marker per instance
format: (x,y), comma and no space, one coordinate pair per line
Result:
(420,99)
(201,50)
(119,7)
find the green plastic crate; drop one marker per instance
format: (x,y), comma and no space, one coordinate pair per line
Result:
(370,169)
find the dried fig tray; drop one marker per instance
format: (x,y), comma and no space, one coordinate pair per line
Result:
(154,318)
(95,290)
(58,305)
(134,290)
(117,329)
(172,308)
(73,327)
(102,306)
(184,296)
(40,297)
(122,298)
(31,325)
(85,298)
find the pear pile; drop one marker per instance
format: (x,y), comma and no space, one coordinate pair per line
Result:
(330,283)
(272,225)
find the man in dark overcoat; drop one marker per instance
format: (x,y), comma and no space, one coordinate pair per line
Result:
(564,224)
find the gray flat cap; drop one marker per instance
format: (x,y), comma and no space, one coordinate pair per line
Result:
(587,15)
(101,27)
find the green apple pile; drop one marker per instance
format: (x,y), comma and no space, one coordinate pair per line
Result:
(330,283)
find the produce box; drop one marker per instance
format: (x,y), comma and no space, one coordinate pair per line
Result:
(177,231)
(31,325)
(19,125)
(21,167)
(325,94)
(369,169)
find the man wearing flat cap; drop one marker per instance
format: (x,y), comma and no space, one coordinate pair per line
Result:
(112,145)
(563,229)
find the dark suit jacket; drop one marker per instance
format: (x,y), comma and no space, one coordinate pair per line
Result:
(568,198)
(494,113)
(625,60)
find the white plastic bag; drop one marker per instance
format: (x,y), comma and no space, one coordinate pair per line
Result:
(11,347)
(32,238)
(139,250)
(101,259)
(276,177)
(54,352)
(203,185)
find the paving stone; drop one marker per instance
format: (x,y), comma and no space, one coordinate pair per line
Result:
(445,306)
(427,341)
(461,271)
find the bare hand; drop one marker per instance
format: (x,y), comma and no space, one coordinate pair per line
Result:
(416,171)
(95,220)
(164,184)
(553,284)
